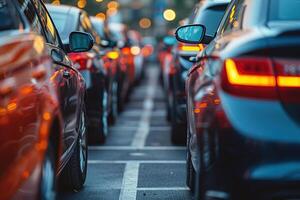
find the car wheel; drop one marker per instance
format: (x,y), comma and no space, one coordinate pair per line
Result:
(47,189)
(98,131)
(120,94)
(74,174)
(190,171)
(168,108)
(178,130)
(114,104)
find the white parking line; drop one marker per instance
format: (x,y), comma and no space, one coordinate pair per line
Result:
(144,125)
(130,181)
(129,148)
(137,162)
(163,189)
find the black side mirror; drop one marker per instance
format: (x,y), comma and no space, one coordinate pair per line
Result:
(80,42)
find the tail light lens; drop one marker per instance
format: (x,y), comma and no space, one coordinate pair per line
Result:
(126,51)
(82,61)
(249,77)
(262,78)
(288,80)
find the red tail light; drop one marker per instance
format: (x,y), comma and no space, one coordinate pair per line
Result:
(82,61)
(249,77)
(262,78)
(126,50)
(288,80)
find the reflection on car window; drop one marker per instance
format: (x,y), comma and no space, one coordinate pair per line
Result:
(211,18)
(234,18)
(9,17)
(28,9)
(50,31)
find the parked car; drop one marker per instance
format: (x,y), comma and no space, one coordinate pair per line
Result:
(208,13)
(135,41)
(117,33)
(110,62)
(243,103)
(68,19)
(42,110)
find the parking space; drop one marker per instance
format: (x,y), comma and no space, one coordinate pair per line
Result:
(138,160)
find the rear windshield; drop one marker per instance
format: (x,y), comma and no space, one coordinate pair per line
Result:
(211,18)
(284,10)
(9,18)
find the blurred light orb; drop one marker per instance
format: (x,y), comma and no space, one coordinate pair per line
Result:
(99,1)
(169,14)
(135,50)
(145,23)
(56,2)
(101,16)
(111,11)
(81,4)
(113,5)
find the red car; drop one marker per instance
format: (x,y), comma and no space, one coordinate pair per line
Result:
(42,110)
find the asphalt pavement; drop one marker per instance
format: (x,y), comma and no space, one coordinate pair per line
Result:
(138,161)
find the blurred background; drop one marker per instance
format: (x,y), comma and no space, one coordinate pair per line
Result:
(149,17)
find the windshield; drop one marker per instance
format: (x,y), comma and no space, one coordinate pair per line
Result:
(211,18)
(284,10)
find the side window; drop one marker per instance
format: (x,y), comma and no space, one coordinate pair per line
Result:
(49,28)
(27,8)
(234,18)
(86,26)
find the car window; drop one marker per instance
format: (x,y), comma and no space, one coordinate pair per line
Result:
(49,28)
(27,8)
(234,17)
(284,10)
(86,26)
(10,19)
(211,18)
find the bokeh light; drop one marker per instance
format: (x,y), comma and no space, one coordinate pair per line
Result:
(169,15)
(145,23)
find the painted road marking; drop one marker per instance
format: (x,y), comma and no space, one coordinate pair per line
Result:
(137,161)
(130,181)
(129,148)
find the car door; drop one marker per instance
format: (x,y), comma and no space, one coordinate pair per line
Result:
(21,78)
(66,78)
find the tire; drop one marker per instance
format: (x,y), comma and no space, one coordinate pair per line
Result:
(98,129)
(120,92)
(190,171)
(178,130)
(47,190)
(74,174)
(114,105)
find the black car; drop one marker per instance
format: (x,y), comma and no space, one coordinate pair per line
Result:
(243,103)
(208,13)
(68,19)
(69,86)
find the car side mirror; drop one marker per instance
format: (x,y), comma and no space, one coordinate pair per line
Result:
(80,42)
(191,34)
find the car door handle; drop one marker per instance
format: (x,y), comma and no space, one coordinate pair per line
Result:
(66,74)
